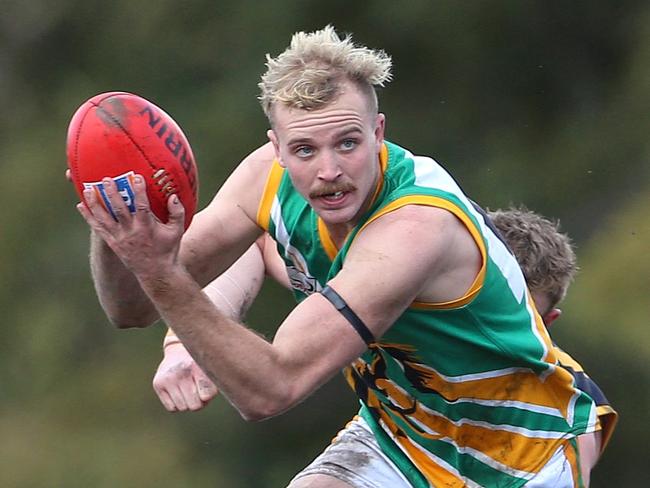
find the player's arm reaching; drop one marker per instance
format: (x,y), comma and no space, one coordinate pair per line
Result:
(179,382)
(262,379)
(217,237)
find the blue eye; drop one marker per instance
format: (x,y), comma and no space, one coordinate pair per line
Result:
(304,151)
(348,144)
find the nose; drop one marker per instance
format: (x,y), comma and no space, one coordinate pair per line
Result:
(329,168)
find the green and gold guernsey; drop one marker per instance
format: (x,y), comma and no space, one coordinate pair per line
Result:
(463,393)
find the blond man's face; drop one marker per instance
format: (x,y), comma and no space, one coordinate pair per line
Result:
(332,154)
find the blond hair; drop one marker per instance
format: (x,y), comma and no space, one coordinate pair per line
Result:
(310,72)
(545,255)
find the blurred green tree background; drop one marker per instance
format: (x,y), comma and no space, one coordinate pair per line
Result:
(543,103)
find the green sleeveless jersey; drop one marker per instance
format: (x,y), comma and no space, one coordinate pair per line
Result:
(463,393)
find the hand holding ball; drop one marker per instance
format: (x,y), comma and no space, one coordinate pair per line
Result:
(119,135)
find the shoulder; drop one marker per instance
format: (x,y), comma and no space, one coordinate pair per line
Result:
(410,220)
(426,249)
(253,168)
(245,185)
(261,158)
(432,235)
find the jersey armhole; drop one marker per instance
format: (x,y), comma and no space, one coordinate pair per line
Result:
(434,201)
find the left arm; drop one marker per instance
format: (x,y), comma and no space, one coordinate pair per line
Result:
(379,281)
(179,382)
(589,452)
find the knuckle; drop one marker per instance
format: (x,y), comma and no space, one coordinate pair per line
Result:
(142,206)
(157,383)
(118,213)
(182,371)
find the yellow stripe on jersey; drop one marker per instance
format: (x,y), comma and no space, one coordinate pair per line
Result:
(270,189)
(501,386)
(510,452)
(572,457)
(432,471)
(326,240)
(608,418)
(566,360)
(490,387)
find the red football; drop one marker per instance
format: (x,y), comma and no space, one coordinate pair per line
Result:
(119,135)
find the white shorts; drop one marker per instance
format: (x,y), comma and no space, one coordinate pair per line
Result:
(354,456)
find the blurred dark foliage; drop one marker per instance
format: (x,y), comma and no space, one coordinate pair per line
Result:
(541,103)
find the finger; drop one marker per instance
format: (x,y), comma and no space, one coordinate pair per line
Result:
(176,211)
(158,384)
(191,395)
(68,175)
(177,398)
(85,213)
(97,208)
(84,209)
(142,205)
(166,400)
(116,201)
(143,212)
(206,388)
(95,215)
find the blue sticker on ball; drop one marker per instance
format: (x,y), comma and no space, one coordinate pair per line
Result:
(124,187)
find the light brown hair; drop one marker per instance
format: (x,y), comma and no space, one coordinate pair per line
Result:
(545,255)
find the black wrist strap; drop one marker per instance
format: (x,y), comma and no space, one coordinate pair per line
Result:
(340,305)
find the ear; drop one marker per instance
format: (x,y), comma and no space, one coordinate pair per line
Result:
(276,145)
(380,128)
(551,316)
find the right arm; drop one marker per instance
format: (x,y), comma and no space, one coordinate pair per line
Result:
(219,235)
(117,288)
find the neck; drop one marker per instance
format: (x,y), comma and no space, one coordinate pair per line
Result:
(339,233)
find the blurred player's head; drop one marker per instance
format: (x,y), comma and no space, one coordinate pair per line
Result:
(313,70)
(545,254)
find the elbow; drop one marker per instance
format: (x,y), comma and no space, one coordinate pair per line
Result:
(255,416)
(126,324)
(122,321)
(128,314)
(265,408)
(258,415)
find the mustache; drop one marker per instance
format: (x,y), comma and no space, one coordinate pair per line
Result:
(329,188)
